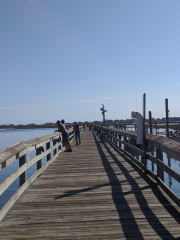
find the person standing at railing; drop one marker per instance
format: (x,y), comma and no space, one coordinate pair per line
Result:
(65,135)
(77,133)
(68,126)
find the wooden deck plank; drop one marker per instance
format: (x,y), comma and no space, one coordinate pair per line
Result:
(92,193)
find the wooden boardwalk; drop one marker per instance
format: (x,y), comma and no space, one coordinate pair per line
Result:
(92,193)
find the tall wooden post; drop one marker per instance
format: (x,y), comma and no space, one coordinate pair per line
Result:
(22,177)
(167,117)
(144,131)
(150,122)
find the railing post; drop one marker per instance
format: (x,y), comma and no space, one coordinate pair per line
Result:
(169,164)
(125,140)
(54,143)
(113,137)
(142,157)
(160,171)
(119,141)
(22,177)
(152,153)
(71,135)
(59,147)
(116,139)
(38,152)
(131,142)
(49,155)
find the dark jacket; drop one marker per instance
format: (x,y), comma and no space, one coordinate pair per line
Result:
(76,128)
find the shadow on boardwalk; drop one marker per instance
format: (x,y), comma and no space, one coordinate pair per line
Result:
(139,218)
(71,193)
(152,219)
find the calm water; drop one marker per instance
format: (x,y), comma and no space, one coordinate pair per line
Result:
(8,137)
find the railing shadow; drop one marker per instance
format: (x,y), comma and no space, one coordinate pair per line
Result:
(71,193)
(121,203)
(75,192)
(160,197)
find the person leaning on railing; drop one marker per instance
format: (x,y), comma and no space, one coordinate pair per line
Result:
(65,135)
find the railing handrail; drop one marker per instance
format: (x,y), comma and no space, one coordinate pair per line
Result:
(19,151)
(10,154)
(160,143)
(163,143)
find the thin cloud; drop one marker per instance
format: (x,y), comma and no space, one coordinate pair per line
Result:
(94,100)
(89,100)
(107,98)
(71,103)
(43,106)
(8,108)
(39,106)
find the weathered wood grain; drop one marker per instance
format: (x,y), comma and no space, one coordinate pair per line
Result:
(92,193)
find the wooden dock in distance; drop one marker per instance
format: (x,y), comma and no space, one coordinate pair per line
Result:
(92,193)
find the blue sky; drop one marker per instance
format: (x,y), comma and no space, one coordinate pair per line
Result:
(65,58)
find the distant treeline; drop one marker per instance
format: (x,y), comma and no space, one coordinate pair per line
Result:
(29,127)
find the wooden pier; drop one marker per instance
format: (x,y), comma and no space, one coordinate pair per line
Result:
(92,193)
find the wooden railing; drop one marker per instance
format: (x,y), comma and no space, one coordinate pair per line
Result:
(125,142)
(21,151)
